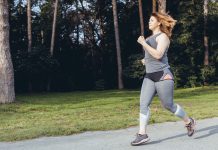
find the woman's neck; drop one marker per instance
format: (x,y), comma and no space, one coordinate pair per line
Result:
(156,31)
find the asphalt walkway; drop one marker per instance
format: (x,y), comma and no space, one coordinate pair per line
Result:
(164,136)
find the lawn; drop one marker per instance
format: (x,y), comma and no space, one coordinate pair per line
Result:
(52,114)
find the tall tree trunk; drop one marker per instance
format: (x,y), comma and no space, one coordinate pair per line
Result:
(77,23)
(7,94)
(116,28)
(29,24)
(162,6)
(42,37)
(29,32)
(54,27)
(206,54)
(141,17)
(206,51)
(53,40)
(154,6)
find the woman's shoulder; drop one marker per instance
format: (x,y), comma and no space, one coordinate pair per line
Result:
(162,36)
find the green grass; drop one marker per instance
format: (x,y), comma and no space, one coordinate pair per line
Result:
(53,114)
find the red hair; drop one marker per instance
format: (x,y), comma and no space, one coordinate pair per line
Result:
(167,23)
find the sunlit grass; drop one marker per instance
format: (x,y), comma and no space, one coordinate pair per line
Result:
(55,114)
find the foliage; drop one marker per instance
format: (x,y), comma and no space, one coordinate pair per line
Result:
(36,66)
(208,74)
(85,50)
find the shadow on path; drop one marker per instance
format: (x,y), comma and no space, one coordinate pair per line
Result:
(212,130)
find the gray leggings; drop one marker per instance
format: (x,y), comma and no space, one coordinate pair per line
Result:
(164,89)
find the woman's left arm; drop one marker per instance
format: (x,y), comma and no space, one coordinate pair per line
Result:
(162,44)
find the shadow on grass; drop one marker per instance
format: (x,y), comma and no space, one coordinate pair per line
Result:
(75,96)
(212,130)
(81,97)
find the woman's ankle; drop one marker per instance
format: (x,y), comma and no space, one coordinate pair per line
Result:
(187,120)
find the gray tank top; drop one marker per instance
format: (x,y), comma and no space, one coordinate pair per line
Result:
(152,64)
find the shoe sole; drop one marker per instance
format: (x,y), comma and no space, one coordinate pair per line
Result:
(141,142)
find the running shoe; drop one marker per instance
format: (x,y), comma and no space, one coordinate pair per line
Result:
(140,139)
(191,127)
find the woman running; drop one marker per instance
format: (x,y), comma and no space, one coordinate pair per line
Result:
(159,76)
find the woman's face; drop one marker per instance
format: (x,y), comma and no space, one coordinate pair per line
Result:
(153,23)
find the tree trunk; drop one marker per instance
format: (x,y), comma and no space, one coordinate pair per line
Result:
(162,6)
(77,23)
(52,40)
(206,54)
(117,39)
(29,32)
(141,17)
(206,51)
(154,6)
(54,27)
(7,94)
(29,22)
(42,37)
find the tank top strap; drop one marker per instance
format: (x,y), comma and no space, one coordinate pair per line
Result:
(156,35)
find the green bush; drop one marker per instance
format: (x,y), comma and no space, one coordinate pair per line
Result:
(135,69)
(208,74)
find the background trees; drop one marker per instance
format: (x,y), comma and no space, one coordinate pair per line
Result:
(85,55)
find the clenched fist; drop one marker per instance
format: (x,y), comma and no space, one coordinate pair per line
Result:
(143,61)
(141,40)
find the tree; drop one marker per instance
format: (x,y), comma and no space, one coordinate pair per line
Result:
(7,94)
(54,27)
(162,6)
(141,17)
(117,39)
(206,54)
(53,39)
(29,32)
(29,24)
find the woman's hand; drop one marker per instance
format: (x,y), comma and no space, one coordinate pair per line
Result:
(141,40)
(143,61)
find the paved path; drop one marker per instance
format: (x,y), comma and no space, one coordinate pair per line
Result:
(164,136)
